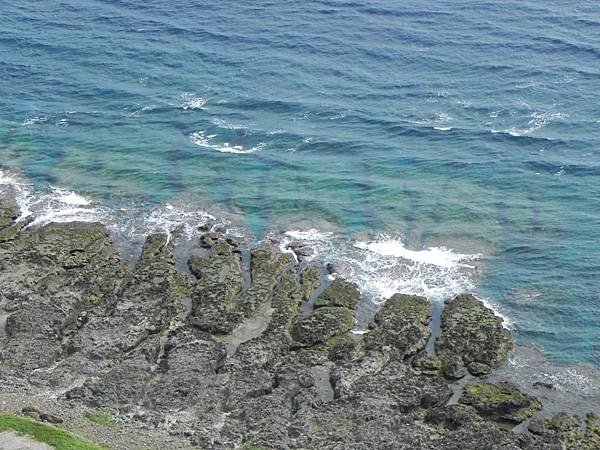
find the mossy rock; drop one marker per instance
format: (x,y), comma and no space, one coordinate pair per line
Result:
(478,369)
(473,333)
(501,402)
(401,326)
(322,324)
(339,293)
(310,279)
(427,364)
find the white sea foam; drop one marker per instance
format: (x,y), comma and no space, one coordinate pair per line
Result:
(136,222)
(537,121)
(69,197)
(436,256)
(384,266)
(34,120)
(202,140)
(507,322)
(340,115)
(228,125)
(50,205)
(311,234)
(192,101)
(313,238)
(443,117)
(443,128)
(59,205)
(139,111)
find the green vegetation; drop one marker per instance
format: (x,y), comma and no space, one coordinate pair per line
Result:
(489,392)
(101,418)
(59,439)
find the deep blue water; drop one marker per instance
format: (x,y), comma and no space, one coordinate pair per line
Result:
(473,125)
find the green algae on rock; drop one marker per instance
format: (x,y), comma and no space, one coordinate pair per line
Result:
(501,402)
(169,352)
(471,333)
(402,325)
(339,293)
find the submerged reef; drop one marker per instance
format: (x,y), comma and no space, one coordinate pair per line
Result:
(253,352)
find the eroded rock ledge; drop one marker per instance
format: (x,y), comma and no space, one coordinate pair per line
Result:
(245,364)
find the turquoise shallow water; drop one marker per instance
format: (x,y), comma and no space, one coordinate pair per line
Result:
(469,125)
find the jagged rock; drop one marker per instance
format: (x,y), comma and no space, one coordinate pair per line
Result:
(477,369)
(427,364)
(501,402)
(9,212)
(591,437)
(401,326)
(339,293)
(322,324)
(453,417)
(207,240)
(31,411)
(473,333)
(218,305)
(219,280)
(395,384)
(454,367)
(541,384)
(214,358)
(343,348)
(49,278)
(50,419)
(560,423)
(300,249)
(564,431)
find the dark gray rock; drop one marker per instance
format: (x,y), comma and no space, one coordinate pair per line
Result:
(478,369)
(472,333)
(501,402)
(339,293)
(322,324)
(401,326)
(454,367)
(427,364)
(230,364)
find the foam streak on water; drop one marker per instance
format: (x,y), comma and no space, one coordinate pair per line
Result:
(201,139)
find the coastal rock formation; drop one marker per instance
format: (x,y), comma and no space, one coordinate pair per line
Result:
(232,355)
(563,430)
(401,326)
(8,214)
(472,337)
(501,402)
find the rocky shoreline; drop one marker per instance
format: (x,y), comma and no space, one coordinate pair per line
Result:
(250,349)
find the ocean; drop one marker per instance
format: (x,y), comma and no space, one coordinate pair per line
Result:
(427,147)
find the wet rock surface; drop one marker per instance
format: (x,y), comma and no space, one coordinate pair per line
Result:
(221,358)
(472,338)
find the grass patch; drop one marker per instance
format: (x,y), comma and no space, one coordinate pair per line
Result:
(101,418)
(60,439)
